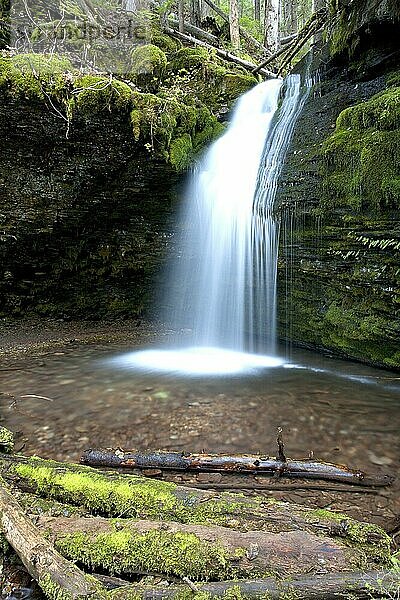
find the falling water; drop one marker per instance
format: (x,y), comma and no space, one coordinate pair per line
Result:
(224,279)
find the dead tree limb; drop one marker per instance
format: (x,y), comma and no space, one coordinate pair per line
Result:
(195,31)
(287,39)
(311,28)
(222,53)
(269,60)
(245,35)
(242,463)
(245,554)
(40,558)
(295,45)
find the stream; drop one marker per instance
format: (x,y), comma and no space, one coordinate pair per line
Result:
(66,396)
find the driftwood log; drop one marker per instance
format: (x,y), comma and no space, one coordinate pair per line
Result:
(243,463)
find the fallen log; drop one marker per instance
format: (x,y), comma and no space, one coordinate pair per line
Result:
(238,463)
(326,586)
(198,552)
(312,27)
(294,45)
(196,31)
(51,570)
(222,53)
(130,496)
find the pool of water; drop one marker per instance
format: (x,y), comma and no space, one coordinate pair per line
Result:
(66,399)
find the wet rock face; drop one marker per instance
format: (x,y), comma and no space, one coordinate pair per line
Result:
(339,262)
(84,220)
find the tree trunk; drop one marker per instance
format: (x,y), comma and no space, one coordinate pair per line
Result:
(196,12)
(271,25)
(257,10)
(246,36)
(181,16)
(234,24)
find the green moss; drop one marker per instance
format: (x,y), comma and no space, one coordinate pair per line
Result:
(128,496)
(94,93)
(393,78)
(148,64)
(370,539)
(180,152)
(172,129)
(32,76)
(165,42)
(381,112)
(361,159)
(178,554)
(237,84)
(52,590)
(6,440)
(189,59)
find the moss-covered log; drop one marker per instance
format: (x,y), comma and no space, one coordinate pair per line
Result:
(132,496)
(202,553)
(42,561)
(328,586)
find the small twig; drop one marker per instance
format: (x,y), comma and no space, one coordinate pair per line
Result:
(281,446)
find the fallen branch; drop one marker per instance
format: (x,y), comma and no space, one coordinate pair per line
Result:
(239,463)
(196,31)
(222,53)
(42,561)
(296,43)
(312,27)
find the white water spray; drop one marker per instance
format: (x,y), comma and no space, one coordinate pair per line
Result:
(224,280)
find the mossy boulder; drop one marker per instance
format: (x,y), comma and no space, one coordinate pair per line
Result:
(199,71)
(148,65)
(32,76)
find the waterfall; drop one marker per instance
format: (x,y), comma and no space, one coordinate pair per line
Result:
(223,282)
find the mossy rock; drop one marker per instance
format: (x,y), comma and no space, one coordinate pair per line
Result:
(148,64)
(95,93)
(362,158)
(31,76)
(189,58)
